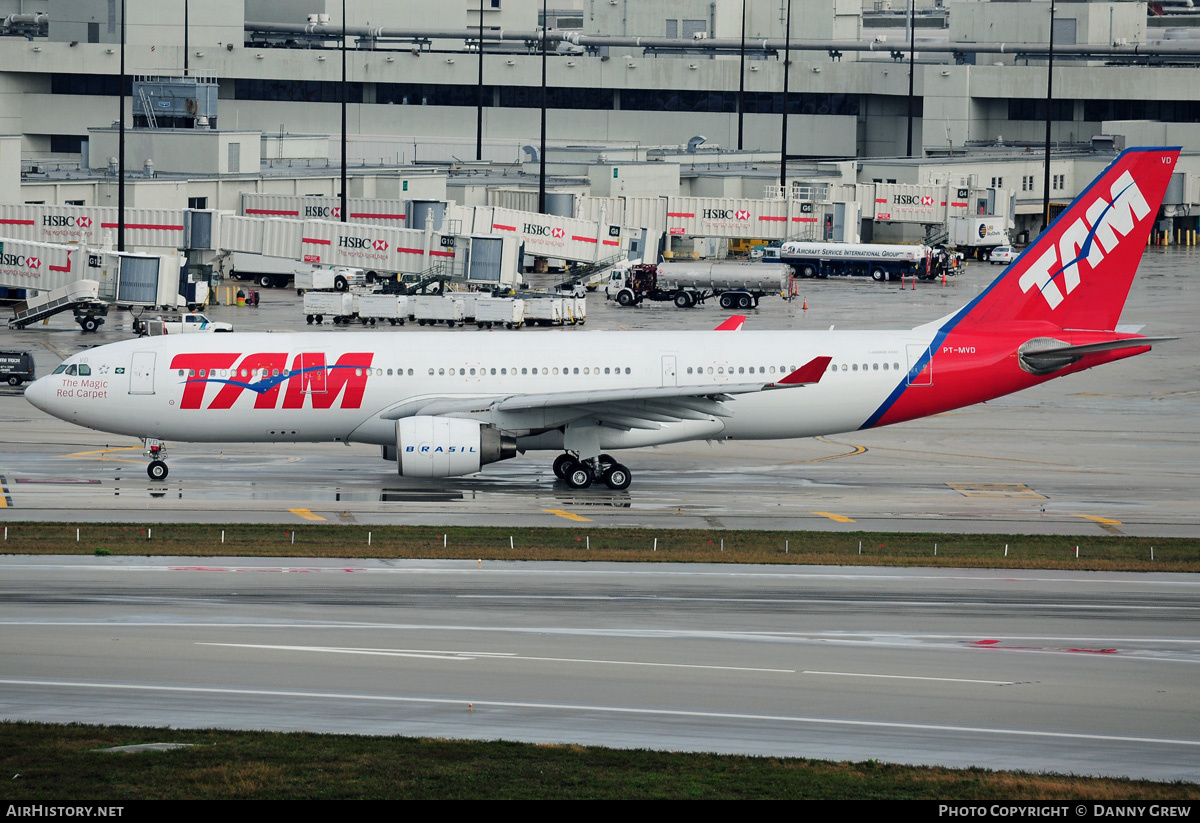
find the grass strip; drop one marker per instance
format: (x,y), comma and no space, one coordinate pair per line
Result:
(1013,551)
(54,763)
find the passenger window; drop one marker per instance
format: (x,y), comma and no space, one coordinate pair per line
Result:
(874,367)
(856,367)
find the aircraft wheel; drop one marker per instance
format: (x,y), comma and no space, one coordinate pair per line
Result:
(563,464)
(157,470)
(579,477)
(617,477)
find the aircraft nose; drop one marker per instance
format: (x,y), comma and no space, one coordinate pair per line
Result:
(39,393)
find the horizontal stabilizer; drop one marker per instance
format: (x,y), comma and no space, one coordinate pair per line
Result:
(810,372)
(1043,355)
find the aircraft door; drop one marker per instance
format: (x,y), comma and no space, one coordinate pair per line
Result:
(313,372)
(141,373)
(919,373)
(668,370)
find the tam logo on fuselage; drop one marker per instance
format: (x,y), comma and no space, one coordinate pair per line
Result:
(1103,221)
(265,373)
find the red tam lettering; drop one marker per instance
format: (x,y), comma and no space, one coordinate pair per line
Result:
(198,367)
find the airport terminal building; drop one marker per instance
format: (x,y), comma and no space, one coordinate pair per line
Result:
(622,79)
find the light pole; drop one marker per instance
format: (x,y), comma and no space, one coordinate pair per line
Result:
(542,151)
(912,38)
(742,79)
(121,145)
(344,209)
(479,93)
(1049,101)
(787,64)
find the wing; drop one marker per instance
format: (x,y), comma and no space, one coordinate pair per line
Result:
(628,408)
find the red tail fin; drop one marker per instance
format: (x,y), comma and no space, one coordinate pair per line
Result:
(1077,273)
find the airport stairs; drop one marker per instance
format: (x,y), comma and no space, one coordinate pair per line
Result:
(47,304)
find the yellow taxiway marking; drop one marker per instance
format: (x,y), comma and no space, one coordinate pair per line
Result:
(1105,520)
(306,514)
(103,452)
(840,518)
(995,490)
(5,500)
(1106,523)
(568,515)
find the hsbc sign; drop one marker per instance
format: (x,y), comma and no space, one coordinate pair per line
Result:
(912,200)
(59,220)
(322,211)
(366,247)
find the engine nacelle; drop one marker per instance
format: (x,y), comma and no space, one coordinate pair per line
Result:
(429,446)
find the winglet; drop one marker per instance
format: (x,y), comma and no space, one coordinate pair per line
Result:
(810,372)
(734,323)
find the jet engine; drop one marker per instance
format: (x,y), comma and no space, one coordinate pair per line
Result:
(429,446)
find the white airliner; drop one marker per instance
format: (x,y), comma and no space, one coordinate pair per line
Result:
(442,405)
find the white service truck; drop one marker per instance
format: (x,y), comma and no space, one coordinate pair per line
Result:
(184,324)
(978,235)
(738,285)
(338,278)
(879,261)
(262,269)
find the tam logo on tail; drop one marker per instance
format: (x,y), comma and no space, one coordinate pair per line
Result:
(1077,273)
(1104,221)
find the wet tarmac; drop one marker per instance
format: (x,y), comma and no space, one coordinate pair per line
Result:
(1110,451)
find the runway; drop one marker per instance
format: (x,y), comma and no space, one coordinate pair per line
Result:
(1112,451)
(1046,671)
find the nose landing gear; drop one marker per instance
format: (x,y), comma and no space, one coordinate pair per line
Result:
(157,451)
(580,474)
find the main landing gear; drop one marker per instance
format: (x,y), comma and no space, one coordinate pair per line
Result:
(579,474)
(157,451)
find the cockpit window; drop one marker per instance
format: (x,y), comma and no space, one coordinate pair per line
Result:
(60,369)
(71,369)
(85,369)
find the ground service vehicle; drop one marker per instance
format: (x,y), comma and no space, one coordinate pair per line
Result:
(881,262)
(977,236)
(1002,254)
(442,405)
(16,367)
(738,285)
(338,278)
(185,324)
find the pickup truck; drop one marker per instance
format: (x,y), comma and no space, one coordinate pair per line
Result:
(185,324)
